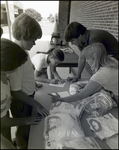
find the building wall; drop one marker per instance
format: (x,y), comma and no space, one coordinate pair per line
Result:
(63,18)
(96,14)
(12,5)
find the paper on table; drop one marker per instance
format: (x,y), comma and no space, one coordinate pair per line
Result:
(58,85)
(62,94)
(85,81)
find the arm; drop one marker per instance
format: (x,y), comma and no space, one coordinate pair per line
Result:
(91,88)
(10,122)
(38,78)
(81,64)
(23,97)
(55,73)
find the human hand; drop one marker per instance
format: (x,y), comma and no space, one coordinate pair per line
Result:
(55,98)
(38,85)
(62,81)
(33,119)
(41,110)
(72,79)
(54,81)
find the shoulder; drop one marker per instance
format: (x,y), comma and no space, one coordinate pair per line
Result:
(39,56)
(99,73)
(99,31)
(97,35)
(103,72)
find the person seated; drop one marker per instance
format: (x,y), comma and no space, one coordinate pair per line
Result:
(45,65)
(105,75)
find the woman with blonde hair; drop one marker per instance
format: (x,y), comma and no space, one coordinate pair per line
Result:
(97,54)
(105,75)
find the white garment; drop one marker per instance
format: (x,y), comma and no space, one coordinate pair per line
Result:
(104,126)
(5,98)
(40,61)
(23,78)
(61,125)
(108,78)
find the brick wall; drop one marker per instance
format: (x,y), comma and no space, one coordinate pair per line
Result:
(96,14)
(64,8)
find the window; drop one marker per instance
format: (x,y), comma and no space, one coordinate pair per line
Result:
(9,11)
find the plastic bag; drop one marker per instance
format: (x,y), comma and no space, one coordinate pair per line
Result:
(104,126)
(75,88)
(58,126)
(98,104)
(79,143)
(75,109)
(112,141)
(74,143)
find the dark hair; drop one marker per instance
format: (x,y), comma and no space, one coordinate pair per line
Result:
(26,28)
(1,31)
(11,55)
(56,52)
(73,30)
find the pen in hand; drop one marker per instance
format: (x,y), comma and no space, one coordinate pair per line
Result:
(50,94)
(54,95)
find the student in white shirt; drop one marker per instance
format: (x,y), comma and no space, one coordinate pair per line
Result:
(25,30)
(10,56)
(45,65)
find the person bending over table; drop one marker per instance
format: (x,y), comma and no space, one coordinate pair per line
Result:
(78,35)
(45,63)
(26,30)
(105,76)
(10,55)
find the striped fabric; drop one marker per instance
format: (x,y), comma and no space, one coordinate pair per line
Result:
(5,99)
(88,68)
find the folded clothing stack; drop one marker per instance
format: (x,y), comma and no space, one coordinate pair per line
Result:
(63,129)
(104,126)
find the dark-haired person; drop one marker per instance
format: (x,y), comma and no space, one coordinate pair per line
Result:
(105,76)
(25,30)
(12,56)
(80,36)
(49,60)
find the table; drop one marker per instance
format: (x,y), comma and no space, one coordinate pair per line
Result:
(36,140)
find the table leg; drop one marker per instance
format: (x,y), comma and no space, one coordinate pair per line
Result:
(69,69)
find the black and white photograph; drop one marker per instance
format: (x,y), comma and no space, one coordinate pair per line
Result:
(59,74)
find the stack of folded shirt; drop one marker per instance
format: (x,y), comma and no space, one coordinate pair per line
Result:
(104,126)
